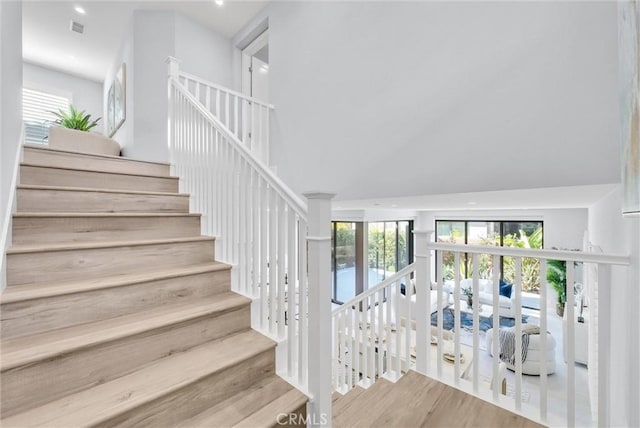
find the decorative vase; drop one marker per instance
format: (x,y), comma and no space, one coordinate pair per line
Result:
(470,301)
(74,140)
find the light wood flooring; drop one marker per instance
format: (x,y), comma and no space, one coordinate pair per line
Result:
(418,401)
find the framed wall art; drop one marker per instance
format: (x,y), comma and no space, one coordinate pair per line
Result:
(116,101)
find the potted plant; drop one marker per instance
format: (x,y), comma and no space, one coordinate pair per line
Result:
(469,293)
(557,277)
(72,134)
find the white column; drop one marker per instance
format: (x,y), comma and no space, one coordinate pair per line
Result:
(319,268)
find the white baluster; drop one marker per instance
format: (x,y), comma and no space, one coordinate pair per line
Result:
(497,387)
(476,321)
(440,269)
(423,285)
(456,320)
(292,275)
(571,347)
(543,340)
(517,284)
(281,274)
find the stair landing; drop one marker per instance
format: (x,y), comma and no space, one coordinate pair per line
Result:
(419,401)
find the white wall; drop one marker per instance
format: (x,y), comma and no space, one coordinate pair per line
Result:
(85,94)
(10,111)
(378,99)
(152,37)
(616,234)
(124,136)
(203,52)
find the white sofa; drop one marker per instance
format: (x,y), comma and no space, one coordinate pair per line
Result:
(434,301)
(507,307)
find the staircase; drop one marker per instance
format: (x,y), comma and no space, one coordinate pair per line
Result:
(116,312)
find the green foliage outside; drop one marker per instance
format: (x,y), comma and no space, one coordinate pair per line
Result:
(74,119)
(382,248)
(530,267)
(345,245)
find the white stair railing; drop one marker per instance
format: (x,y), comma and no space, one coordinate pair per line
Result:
(277,247)
(246,117)
(387,330)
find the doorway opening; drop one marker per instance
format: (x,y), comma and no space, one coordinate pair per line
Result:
(255,68)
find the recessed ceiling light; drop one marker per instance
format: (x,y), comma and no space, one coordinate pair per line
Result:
(219,2)
(472,203)
(394,205)
(80,10)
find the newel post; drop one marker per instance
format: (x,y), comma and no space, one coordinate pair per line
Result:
(423,286)
(319,278)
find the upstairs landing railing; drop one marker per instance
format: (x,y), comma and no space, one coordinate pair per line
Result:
(277,244)
(387,330)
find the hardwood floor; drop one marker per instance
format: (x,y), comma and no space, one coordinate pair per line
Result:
(418,401)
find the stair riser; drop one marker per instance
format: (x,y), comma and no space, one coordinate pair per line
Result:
(37,316)
(44,266)
(44,176)
(72,160)
(44,200)
(37,383)
(179,405)
(42,230)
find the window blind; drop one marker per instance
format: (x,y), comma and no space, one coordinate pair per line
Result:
(36,113)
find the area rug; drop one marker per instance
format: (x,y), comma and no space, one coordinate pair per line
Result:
(466,321)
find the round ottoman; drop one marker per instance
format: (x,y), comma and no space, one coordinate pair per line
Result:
(531,366)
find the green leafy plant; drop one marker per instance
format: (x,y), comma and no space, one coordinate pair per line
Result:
(557,278)
(75,119)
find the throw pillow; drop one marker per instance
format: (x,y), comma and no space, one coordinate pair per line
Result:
(505,289)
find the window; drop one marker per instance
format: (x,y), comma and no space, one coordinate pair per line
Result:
(523,234)
(36,113)
(388,248)
(343,249)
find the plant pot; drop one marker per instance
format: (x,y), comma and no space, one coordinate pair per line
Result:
(81,141)
(470,301)
(560,309)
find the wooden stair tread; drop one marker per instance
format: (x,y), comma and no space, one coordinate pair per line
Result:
(59,288)
(241,406)
(133,174)
(267,415)
(94,190)
(95,155)
(26,249)
(28,349)
(98,214)
(100,403)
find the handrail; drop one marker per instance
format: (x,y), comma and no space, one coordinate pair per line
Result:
(225,89)
(373,290)
(273,180)
(575,256)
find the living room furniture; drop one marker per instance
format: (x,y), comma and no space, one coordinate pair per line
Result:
(507,307)
(414,309)
(531,366)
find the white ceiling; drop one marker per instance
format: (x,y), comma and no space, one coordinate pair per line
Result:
(553,197)
(48,41)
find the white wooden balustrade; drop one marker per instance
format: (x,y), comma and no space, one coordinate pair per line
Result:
(380,333)
(275,244)
(247,118)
